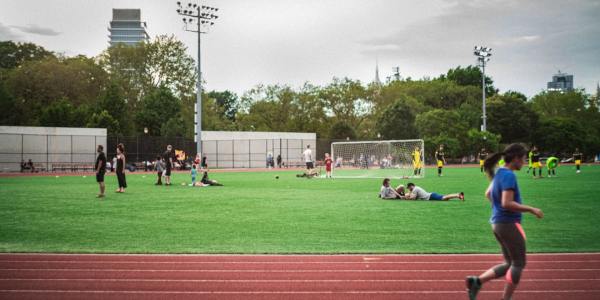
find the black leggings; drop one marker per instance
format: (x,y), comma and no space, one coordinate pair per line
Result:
(121,179)
(511,238)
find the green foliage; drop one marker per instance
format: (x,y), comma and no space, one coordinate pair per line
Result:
(511,117)
(59,113)
(174,127)
(156,109)
(478,139)
(13,55)
(103,119)
(471,75)
(398,121)
(228,101)
(342,130)
(559,135)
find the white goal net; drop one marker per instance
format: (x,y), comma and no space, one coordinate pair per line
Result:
(378,159)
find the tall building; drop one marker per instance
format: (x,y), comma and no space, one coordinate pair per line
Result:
(127,27)
(561,82)
(377,81)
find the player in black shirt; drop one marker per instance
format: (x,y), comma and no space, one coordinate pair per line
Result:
(100,168)
(168,157)
(441,160)
(482,156)
(535,161)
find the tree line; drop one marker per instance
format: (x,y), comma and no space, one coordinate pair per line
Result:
(151,86)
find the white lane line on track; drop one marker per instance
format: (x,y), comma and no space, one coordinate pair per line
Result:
(290,262)
(293,255)
(286,271)
(288,292)
(279,280)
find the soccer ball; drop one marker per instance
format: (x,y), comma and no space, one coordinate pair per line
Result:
(84,176)
(276,177)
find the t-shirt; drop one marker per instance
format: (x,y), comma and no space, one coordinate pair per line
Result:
(416,156)
(194,173)
(577,156)
(387,192)
(102,161)
(420,193)
(168,154)
(504,180)
(439,155)
(482,155)
(307,155)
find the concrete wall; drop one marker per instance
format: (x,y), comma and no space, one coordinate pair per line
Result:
(241,149)
(48,145)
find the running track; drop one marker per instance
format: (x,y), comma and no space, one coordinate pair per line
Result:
(427,277)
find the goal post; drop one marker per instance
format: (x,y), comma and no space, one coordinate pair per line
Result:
(378,159)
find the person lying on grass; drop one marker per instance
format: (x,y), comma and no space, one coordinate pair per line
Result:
(418,193)
(309,173)
(387,192)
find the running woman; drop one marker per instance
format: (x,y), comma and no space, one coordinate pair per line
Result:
(120,170)
(441,160)
(507,207)
(577,157)
(482,156)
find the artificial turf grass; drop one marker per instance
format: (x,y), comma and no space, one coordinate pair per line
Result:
(256,213)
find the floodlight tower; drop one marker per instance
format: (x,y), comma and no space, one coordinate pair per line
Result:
(203,17)
(483,56)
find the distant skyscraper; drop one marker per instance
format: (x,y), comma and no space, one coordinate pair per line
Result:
(561,82)
(127,27)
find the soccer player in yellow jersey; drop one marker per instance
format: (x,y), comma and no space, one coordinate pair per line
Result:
(577,157)
(482,156)
(417,162)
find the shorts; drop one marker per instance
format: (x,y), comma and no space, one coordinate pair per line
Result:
(100,176)
(436,196)
(578,162)
(168,171)
(417,165)
(328,168)
(536,165)
(481,161)
(310,165)
(440,163)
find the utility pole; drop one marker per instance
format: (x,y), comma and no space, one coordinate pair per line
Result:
(199,15)
(483,56)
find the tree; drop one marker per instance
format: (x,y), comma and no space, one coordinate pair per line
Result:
(482,139)
(227,100)
(103,119)
(438,121)
(511,117)
(174,127)
(398,121)
(58,114)
(557,135)
(112,101)
(342,130)
(471,75)
(13,55)
(158,107)
(557,104)
(345,99)
(10,113)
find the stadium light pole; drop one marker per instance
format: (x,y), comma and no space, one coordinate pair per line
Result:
(483,56)
(201,16)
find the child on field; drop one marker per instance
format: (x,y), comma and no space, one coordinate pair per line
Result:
(328,162)
(160,167)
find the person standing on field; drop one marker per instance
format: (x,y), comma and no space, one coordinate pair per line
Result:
(120,170)
(307,155)
(100,170)
(507,208)
(168,157)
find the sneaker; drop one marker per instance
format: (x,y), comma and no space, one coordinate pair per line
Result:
(461,196)
(578,171)
(473,286)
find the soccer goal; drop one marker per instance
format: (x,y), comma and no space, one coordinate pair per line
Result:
(378,159)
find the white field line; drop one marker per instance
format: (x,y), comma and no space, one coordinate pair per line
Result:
(285,263)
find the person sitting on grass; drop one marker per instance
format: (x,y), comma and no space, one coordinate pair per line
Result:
(418,193)
(205,181)
(387,192)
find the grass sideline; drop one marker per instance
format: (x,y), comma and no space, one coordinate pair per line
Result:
(256,213)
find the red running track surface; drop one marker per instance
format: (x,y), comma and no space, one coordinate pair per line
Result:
(320,277)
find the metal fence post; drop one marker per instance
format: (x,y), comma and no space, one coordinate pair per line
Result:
(47,151)
(249,150)
(217,153)
(232,154)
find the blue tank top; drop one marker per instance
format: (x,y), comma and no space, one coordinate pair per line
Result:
(504,179)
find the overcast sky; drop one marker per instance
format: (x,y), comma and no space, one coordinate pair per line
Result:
(292,41)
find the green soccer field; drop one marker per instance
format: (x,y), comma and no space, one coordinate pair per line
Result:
(256,213)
